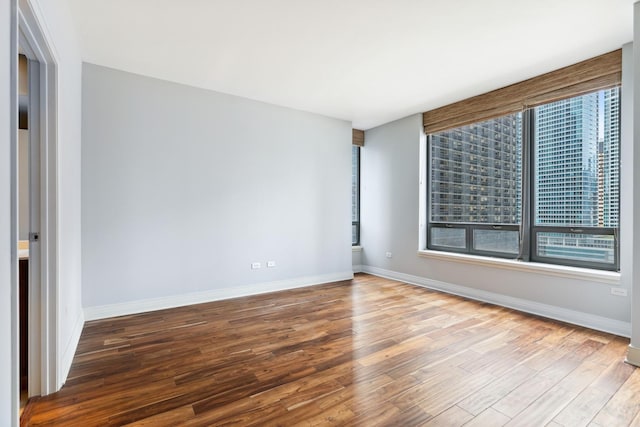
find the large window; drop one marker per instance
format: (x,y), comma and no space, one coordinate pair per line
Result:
(355,195)
(475,187)
(538,185)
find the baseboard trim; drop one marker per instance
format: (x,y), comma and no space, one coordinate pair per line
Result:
(357,269)
(70,350)
(633,356)
(591,321)
(153,304)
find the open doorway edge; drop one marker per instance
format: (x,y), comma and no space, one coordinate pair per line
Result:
(43,330)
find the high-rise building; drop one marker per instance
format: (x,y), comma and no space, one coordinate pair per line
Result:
(577,155)
(475,172)
(600,183)
(611,154)
(475,178)
(566,165)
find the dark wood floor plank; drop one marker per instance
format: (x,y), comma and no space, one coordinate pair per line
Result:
(166,419)
(369,351)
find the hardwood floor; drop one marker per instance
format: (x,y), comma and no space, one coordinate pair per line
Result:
(365,352)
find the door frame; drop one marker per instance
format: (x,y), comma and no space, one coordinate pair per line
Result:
(33,41)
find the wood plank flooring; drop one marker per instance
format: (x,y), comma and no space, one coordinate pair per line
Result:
(369,352)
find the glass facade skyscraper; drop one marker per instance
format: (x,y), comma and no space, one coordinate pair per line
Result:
(576,175)
(577,160)
(566,162)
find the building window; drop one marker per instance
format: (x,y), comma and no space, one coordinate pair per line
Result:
(355,195)
(577,180)
(538,185)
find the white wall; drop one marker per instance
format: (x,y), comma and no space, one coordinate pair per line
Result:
(389,221)
(632,202)
(7,397)
(183,188)
(356,259)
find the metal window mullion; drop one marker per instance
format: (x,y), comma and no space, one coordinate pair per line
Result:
(616,237)
(597,231)
(428,189)
(496,227)
(575,263)
(527,174)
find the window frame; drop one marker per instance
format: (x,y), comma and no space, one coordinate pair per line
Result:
(597,231)
(528,230)
(534,229)
(356,222)
(469,237)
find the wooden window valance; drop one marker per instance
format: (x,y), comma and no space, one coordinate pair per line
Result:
(357,137)
(601,72)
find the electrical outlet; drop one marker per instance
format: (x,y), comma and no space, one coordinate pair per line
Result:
(255,265)
(620,292)
(388,254)
(271,264)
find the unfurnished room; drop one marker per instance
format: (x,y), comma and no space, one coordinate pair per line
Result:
(295,212)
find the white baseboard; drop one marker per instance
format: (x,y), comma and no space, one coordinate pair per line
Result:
(152,304)
(591,321)
(70,350)
(357,269)
(633,355)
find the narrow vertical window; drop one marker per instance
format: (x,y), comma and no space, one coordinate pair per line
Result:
(355,195)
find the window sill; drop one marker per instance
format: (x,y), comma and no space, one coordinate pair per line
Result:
(608,277)
(356,248)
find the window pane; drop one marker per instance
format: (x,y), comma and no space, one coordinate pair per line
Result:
(578,247)
(355,194)
(355,184)
(475,179)
(609,161)
(475,172)
(496,241)
(577,161)
(449,237)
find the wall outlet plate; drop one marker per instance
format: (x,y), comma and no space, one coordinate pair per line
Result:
(271,264)
(621,292)
(255,265)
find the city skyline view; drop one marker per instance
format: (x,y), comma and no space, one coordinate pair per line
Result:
(476,178)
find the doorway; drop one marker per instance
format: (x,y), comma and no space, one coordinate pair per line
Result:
(23,223)
(29,197)
(34,311)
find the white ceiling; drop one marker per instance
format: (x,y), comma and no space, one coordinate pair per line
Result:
(367,61)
